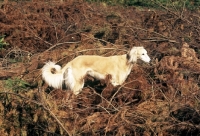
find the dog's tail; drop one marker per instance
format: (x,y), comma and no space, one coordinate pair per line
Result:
(53,75)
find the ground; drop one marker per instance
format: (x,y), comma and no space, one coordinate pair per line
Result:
(160,98)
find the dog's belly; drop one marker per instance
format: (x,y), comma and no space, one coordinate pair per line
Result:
(96,74)
(102,76)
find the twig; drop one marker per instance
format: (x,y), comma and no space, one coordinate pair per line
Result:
(53,46)
(153,82)
(104,99)
(42,39)
(17,51)
(58,121)
(182,123)
(159,40)
(118,91)
(103,108)
(183,9)
(56,32)
(164,38)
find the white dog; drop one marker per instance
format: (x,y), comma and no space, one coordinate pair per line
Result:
(73,73)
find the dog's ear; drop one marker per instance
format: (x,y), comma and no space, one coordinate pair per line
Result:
(132,55)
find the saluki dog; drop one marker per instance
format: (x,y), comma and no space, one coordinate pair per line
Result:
(73,73)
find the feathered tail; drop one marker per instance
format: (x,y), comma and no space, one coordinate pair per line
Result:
(53,75)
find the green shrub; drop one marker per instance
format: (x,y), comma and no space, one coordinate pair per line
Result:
(16,84)
(190,4)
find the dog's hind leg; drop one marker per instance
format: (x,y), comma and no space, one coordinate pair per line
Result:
(73,80)
(69,79)
(78,86)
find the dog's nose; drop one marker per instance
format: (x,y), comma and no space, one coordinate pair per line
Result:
(148,59)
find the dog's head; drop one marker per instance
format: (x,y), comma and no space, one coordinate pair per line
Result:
(138,53)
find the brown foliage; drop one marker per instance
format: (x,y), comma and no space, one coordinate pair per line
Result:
(161,98)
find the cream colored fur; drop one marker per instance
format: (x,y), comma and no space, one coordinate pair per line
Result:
(73,73)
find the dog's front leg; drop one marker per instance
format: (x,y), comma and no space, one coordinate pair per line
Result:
(114,81)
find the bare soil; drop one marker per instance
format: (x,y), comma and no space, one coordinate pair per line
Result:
(161,98)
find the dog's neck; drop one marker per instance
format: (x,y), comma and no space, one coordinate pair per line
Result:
(128,57)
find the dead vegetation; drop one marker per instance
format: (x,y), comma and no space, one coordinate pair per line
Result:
(162,98)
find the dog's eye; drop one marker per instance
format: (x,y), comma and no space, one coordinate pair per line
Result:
(142,53)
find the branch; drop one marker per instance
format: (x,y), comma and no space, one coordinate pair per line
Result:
(57,44)
(157,39)
(118,91)
(104,99)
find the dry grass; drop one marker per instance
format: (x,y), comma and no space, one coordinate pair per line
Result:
(162,98)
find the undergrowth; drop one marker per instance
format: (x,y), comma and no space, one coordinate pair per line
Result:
(178,4)
(160,98)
